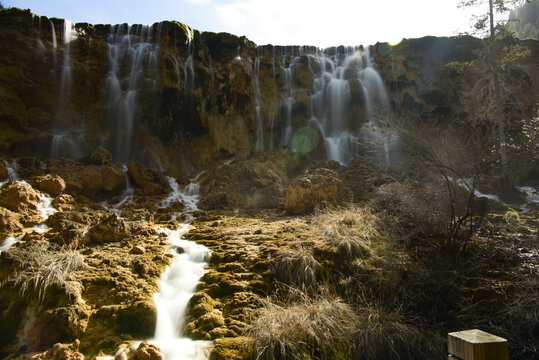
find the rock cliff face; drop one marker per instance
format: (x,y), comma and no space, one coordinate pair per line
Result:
(100,126)
(176,99)
(160,94)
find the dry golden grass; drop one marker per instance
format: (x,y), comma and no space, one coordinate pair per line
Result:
(351,231)
(297,267)
(327,328)
(41,267)
(311,328)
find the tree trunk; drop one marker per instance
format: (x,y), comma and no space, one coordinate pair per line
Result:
(498,101)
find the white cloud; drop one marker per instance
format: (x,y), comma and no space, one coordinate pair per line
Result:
(199,2)
(337,22)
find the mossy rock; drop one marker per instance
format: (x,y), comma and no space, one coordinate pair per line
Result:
(237,348)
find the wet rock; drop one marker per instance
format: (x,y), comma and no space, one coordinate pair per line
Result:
(61,352)
(211,320)
(52,184)
(111,229)
(64,202)
(308,191)
(9,223)
(144,179)
(231,348)
(251,184)
(100,156)
(139,250)
(69,232)
(3,171)
(104,178)
(19,198)
(138,318)
(221,332)
(145,351)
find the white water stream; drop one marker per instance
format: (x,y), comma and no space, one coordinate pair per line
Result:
(44,208)
(179,281)
(177,285)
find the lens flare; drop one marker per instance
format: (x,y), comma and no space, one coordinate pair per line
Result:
(305,140)
(395,41)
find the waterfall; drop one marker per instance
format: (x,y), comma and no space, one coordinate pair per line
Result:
(177,285)
(131,46)
(11,173)
(57,145)
(69,34)
(287,67)
(40,45)
(53,37)
(189,197)
(272,114)
(258,108)
(344,80)
(124,199)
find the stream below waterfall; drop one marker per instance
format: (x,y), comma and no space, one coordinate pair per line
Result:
(44,207)
(179,280)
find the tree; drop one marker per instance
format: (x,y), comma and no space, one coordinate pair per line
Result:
(495,29)
(524,20)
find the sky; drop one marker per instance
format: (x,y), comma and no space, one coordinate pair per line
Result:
(278,22)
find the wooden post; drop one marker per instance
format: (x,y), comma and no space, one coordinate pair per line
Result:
(476,345)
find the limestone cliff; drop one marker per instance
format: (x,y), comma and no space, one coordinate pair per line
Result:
(176,99)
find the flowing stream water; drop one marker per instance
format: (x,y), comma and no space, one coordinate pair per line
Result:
(44,208)
(178,282)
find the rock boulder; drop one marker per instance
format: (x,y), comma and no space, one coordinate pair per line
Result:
(19,197)
(3,171)
(144,179)
(52,184)
(307,191)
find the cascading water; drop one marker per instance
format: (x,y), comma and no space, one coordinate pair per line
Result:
(258,108)
(69,34)
(131,45)
(44,208)
(124,199)
(287,66)
(177,285)
(11,173)
(57,145)
(178,282)
(344,80)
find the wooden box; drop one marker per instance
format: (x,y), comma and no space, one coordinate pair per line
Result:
(476,345)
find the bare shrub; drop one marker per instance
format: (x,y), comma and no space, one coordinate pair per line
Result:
(40,268)
(298,267)
(410,209)
(310,329)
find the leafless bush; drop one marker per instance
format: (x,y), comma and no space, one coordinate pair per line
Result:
(298,267)
(410,209)
(40,268)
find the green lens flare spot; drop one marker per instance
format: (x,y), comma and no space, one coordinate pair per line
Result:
(305,140)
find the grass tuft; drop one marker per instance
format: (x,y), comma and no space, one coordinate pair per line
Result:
(318,328)
(41,267)
(351,231)
(298,267)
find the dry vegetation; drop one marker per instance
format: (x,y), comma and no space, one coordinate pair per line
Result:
(40,268)
(380,282)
